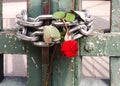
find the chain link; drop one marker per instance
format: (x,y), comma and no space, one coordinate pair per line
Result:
(59,23)
(32,29)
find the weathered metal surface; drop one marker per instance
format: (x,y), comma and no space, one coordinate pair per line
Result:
(11,45)
(115,60)
(34,65)
(45,64)
(34,53)
(44,73)
(65,71)
(104,45)
(45,50)
(78,70)
(115,71)
(61,5)
(35,7)
(115,15)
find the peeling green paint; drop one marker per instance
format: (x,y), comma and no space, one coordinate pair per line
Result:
(105,45)
(11,45)
(62,74)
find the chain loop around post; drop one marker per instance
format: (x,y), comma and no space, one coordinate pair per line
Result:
(32,29)
(39,43)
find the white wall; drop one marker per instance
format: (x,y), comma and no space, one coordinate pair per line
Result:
(10,9)
(15,65)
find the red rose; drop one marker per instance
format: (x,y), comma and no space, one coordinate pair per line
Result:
(70,49)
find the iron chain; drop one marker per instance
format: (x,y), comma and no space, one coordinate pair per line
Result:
(31,29)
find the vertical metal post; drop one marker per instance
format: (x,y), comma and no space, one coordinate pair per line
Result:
(115,60)
(34,53)
(45,65)
(65,71)
(45,50)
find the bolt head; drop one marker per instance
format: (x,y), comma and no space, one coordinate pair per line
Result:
(89,46)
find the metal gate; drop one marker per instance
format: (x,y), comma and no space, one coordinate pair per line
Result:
(10,44)
(66,72)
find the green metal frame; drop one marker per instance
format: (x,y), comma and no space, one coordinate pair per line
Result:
(65,71)
(107,44)
(62,74)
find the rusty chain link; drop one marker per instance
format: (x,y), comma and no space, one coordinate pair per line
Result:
(31,29)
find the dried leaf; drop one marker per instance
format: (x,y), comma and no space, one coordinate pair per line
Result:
(51,32)
(81,14)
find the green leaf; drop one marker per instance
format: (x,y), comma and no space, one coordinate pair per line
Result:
(59,15)
(70,17)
